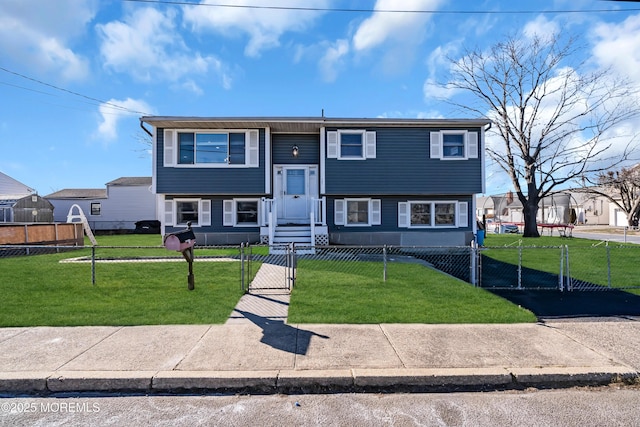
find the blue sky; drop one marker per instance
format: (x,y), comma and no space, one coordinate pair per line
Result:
(76,75)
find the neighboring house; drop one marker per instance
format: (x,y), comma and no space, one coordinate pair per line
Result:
(118,207)
(319,180)
(589,209)
(11,191)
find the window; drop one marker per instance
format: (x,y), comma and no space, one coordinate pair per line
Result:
(220,148)
(186,211)
(241,213)
(351,144)
(96,208)
(246,212)
(445,214)
(453,145)
(432,214)
(421,214)
(178,212)
(357,212)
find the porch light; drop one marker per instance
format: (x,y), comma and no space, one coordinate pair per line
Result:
(294,151)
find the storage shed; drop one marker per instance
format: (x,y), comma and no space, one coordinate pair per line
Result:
(33,208)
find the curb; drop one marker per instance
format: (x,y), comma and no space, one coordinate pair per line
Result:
(311,381)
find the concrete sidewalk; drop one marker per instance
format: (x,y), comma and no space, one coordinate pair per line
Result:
(270,356)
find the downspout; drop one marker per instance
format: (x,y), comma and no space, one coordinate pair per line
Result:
(145,129)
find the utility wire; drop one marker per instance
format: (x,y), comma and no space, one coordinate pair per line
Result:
(101,102)
(327,9)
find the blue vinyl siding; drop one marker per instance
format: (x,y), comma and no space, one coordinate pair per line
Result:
(403,166)
(308,145)
(238,181)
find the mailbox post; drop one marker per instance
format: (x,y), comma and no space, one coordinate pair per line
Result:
(183,241)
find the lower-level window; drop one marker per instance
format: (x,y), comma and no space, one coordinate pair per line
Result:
(178,212)
(241,213)
(426,214)
(186,211)
(246,212)
(357,212)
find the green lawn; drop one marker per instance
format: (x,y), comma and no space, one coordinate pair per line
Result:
(326,293)
(39,290)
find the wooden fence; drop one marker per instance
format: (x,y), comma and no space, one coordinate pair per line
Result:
(64,234)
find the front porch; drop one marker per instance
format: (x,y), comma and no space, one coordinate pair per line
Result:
(275,230)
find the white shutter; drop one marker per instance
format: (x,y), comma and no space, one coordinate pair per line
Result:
(370,145)
(472,145)
(463,214)
(435,145)
(168,212)
(376,212)
(332,145)
(228,213)
(169,147)
(252,149)
(403,214)
(338,212)
(205,212)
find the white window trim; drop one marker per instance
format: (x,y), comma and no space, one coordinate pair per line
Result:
(334,144)
(461,215)
(469,140)
(251,149)
(230,212)
(171,212)
(374,214)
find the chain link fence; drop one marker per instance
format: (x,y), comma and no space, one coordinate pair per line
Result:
(565,268)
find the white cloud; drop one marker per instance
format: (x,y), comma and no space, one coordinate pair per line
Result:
(399,27)
(541,27)
(333,59)
(618,46)
(114,111)
(263,26)
(41,40)
(147,45)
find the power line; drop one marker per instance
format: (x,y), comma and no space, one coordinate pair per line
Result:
(328,9)
(110,104)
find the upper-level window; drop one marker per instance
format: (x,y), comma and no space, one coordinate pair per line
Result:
(453,145)
(223,147)
(351,144)
(211,148)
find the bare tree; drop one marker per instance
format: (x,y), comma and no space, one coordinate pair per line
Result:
(622,188)
(554,120)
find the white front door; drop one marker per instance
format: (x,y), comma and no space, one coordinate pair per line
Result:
(295,187)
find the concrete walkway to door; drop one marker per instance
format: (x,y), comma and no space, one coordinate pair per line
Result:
(268,297)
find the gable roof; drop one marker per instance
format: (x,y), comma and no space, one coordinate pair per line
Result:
(131,180)
(79,193)
(299,124)
(12,189)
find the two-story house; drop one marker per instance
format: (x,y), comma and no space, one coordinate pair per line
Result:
(318,181)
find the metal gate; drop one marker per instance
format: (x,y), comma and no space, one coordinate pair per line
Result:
(265,268)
